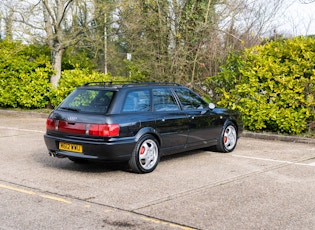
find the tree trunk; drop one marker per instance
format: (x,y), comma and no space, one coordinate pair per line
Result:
(56,63)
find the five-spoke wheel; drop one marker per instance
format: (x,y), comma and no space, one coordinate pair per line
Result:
(145,156)
(228,139)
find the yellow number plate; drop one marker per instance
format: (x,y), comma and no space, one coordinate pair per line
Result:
(70,147)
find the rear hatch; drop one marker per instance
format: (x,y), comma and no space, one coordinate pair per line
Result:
(83,114)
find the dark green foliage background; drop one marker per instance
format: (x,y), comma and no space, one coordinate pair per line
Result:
(25,72)
(272,85)
(24,75)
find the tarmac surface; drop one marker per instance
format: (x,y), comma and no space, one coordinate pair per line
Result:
(268,182)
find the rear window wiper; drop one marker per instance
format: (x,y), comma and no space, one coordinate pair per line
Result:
(70,108)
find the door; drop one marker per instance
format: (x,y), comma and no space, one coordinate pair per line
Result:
(202,121)
(171,122)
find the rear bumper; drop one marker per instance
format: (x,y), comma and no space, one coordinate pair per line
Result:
(114,150)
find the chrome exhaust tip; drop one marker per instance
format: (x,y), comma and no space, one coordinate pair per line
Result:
(52,154)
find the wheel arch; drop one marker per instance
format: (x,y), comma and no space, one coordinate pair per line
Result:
(150,131)
(234,122)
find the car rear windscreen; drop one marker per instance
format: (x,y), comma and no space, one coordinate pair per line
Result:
(88,100)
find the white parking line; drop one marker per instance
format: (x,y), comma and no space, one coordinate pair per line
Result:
(273,160)
(24,130)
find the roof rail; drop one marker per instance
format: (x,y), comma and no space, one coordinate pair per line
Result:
(108,83)
(130,83)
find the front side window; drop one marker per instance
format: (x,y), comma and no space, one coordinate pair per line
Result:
(88,100)
(163,100)
(137,101)
(190,100)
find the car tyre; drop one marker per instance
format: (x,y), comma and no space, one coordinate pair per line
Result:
(228,138)
(146,155)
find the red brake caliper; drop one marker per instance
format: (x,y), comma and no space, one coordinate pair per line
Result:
(142,149)
(225,139)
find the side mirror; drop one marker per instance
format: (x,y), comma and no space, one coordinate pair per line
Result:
(211,106)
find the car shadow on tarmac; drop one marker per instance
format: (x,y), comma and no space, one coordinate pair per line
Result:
(99,167)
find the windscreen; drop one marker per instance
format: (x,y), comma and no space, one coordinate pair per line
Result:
(88,100)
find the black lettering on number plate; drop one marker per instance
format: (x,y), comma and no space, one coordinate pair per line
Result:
(70,147)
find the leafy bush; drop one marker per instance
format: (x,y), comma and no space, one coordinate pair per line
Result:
(24,75)
(273,85)
(77,58)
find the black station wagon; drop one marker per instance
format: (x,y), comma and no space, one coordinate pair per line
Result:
(137,123)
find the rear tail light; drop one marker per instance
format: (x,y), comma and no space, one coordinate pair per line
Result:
(50,124)
(104,130)
(99,130)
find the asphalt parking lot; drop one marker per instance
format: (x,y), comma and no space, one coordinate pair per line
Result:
(263,184)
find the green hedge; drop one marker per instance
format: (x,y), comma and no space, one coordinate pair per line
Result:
(25,73)
(272,85)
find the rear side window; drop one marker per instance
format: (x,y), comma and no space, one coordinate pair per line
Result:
(137,101)
(88,100)
(163,100)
